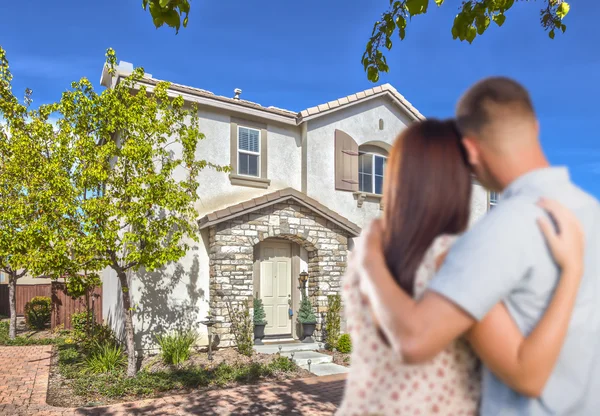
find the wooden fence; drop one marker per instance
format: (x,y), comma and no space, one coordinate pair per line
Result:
(63,306)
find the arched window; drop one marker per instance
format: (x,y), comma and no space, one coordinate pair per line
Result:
(371,169)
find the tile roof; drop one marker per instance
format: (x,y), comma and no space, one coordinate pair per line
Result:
(385,89)
(316,111)
(272,198)
(208,94)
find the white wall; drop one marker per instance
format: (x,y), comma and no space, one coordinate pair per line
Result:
(283,164)
(360,121)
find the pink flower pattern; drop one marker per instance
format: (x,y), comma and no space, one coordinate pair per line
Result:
(380,383)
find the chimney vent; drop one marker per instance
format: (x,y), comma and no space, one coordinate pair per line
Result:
(237,93)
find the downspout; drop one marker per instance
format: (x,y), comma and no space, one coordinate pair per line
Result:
(304,167)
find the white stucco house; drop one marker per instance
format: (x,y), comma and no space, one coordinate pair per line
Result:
(302,185)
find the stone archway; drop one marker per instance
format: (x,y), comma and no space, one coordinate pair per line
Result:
(231,255)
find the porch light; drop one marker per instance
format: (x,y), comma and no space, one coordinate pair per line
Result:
(303,278)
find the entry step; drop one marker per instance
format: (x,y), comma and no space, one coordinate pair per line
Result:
(301,358)
(326,369)
(287,347)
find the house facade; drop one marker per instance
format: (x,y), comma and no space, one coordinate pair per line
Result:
(302,186)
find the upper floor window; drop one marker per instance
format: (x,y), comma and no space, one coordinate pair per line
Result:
(3,277)
(493,199)
(248,155)
(248,151)
(370,173)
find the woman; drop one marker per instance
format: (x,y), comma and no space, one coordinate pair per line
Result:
(427,199)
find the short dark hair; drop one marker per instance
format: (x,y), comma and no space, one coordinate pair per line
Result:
(479,106)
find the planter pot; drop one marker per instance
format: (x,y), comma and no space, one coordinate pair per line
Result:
(259,334)
(307,332)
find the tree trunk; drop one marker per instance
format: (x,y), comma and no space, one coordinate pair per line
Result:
(131,361)
(12,301)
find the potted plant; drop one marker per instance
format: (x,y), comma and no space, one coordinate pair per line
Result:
(259,321)
(307,318)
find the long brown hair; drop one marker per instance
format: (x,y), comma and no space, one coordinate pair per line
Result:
(427,193)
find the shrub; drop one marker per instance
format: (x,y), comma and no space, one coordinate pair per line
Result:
(38,312)
(260,318)
(176,348)
(283,364)
(306,314)
(88,333)
(68,356)
(344,344)
(332,321)
(81,322)
(241,327)
(105,358)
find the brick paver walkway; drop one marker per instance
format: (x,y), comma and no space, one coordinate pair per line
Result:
(24,381)
(24,375)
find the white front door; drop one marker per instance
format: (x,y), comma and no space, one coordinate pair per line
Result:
(276,286)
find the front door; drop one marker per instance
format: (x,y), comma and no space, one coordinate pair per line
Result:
(276,286)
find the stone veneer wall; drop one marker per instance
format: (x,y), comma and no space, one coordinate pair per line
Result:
(232,256)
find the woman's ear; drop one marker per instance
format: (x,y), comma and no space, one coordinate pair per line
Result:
(472,149)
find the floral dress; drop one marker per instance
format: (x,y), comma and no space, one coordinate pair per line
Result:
(380,383)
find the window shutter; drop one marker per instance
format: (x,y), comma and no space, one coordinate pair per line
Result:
(346,162)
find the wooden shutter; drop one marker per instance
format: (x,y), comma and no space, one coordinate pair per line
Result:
(346,162)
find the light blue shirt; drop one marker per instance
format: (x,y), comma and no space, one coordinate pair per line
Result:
(504,257)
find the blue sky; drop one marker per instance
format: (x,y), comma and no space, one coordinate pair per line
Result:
(296,55)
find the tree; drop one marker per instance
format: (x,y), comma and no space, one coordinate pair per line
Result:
(168,11)
(136,174)
(34,191)
(473,18)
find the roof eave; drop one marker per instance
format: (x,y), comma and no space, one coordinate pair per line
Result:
(216,102)
(414,116)
(352,229)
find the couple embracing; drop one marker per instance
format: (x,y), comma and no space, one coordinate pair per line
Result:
(501,320)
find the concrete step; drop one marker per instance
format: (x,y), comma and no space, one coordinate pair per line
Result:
(286,348)
(301,357)
(326,369)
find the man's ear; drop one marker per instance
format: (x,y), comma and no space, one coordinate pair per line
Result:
(472,149)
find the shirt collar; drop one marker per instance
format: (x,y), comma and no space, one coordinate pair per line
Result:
(537,179)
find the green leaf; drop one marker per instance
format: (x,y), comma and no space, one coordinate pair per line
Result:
(482,23)
(499,19)
(144,4)
(563,10)
(454,32)
(471,34)
(388,43)
(416,7)
(401,22)
(563,27)
(373,74)
(164,3)
(185,22)
(551,34)
(172,19)
(439,2)
(402,33)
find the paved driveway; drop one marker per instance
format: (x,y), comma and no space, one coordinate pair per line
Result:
(24,375)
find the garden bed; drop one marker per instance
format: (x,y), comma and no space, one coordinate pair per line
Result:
(71,386)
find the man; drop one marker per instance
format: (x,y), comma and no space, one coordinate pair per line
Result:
(503,258)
